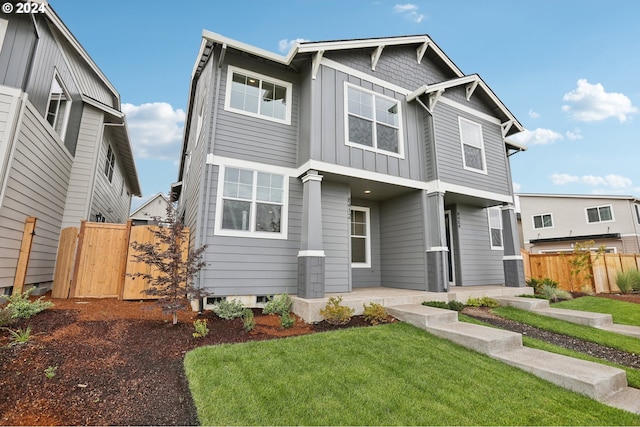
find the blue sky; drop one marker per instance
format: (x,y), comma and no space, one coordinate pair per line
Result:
(568,70)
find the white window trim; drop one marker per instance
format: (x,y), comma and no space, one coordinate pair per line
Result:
(400,153)
(284,223)
(111,166)
(533,221)
(367,245)
(227,102)
(65,122)
(4,24)
(636,212)
(586,214)
(501,247)
(482,149)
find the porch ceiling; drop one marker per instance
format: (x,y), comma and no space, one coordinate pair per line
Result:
(368,190)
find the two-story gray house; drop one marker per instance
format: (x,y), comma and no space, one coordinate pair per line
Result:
(345,164)
(65,154)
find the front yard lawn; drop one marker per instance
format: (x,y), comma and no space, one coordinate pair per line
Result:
(625,313)
(393,374)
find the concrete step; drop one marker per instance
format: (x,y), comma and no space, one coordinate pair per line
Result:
(480,338)
(422,316)
(589,378)
(627,399)
(580,317)
(632,331)
(529,304)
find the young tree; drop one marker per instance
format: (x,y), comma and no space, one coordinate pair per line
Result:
(172,282)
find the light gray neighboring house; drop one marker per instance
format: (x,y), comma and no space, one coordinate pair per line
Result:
(556,222)
(65,154)
(345,164)
(151,211)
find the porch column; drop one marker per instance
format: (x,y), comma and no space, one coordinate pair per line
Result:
(311,255)
(512,258)
(436,243)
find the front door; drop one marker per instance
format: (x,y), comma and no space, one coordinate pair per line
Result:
(450,258)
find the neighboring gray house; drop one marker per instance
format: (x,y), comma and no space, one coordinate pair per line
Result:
(345,164)
(65,154)
(151,211)
(556,222)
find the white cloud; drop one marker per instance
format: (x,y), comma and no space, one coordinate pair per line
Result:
(285,45)
(610,181)
(155,130)
(574,135)
(410,12)
(533,114)
(537,137)
(589,103)
(516,187)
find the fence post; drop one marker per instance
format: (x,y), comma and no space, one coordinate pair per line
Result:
(123,261)
(25,251)
(76,266)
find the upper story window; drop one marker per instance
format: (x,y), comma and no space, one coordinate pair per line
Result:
(252,204)
(542,221)
(495,227)
(58,107)
(473,156)
(373,121)
(600,214)
(259,96)
(110,164)
(360,237)
(636,208)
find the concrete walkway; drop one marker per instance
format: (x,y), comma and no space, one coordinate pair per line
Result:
(596,320)
(600,382)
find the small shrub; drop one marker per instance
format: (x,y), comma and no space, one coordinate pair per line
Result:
(628,280)
(483,302)
(537,284)
(22,308)
(555,294)
(436,304)
(248,322)
(228,310)
(200,326)
(278,304)
(455,305)
(50,372)
(20,336)
(6,316)
(335,313)
(286,321)
(374,313)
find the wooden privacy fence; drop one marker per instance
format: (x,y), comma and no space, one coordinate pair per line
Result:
(97,261)
(600,276)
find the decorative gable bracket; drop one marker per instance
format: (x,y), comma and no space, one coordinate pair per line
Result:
(421,50)
(375,56)
(316,63)
(470,88)
(506,127)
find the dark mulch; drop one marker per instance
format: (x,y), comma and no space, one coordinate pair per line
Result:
(118,363)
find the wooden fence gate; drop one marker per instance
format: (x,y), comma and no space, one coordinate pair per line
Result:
(96,261)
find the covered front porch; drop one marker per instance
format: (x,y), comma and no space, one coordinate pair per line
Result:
(309,308)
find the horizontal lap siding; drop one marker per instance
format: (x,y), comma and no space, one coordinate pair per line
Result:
(402,242)
(478,264)
(335,234)
(36,186)
(449,152)
(253,266)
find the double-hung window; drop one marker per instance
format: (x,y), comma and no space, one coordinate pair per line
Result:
(542,221)
(599,214)
(473,156)
(495,227)
(360,237)
(259,96)
(58,107)
(373,121)
(253,204)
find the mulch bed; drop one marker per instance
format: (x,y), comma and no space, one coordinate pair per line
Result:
(118,362)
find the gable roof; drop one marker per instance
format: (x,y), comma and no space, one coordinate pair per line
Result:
(151,200)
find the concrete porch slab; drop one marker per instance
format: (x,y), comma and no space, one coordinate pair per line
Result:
(309,309)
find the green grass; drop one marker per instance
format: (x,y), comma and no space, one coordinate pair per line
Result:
(393,374)
(625,313)
(633,375)
(587,333)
